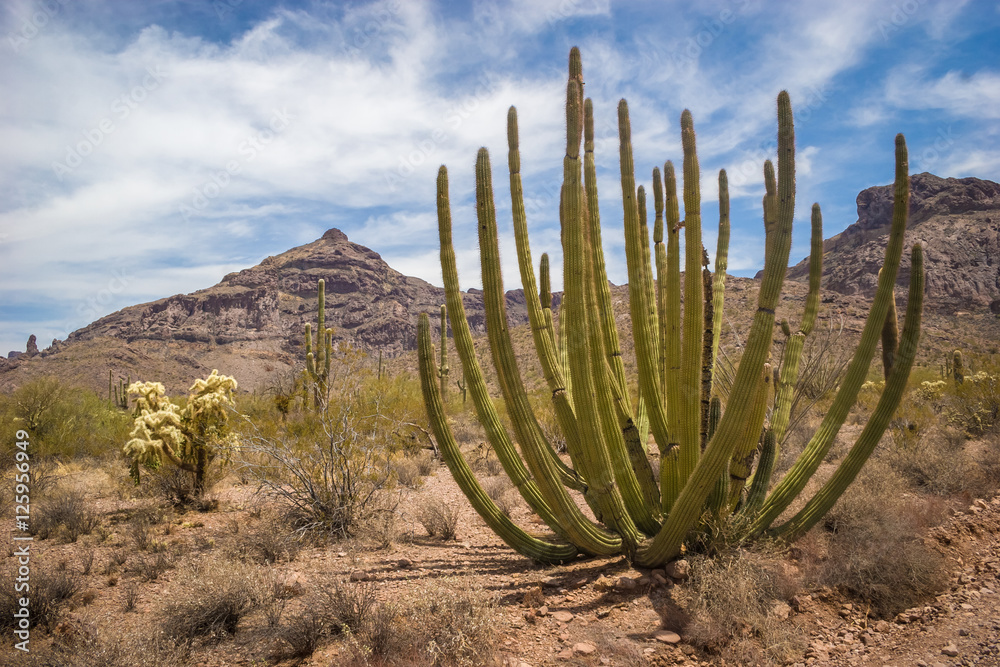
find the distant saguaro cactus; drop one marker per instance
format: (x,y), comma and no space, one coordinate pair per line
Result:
(706,451)
(318,359)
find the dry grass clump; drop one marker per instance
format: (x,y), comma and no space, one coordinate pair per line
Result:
(943,462)
(502,492)
(268,542)
(50,592)
(438,518)
(64,514)
(875,546)
(731,602)
(212,602)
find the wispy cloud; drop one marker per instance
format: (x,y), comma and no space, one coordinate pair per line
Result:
(179,141)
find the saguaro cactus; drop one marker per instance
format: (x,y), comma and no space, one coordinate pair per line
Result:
(706,452)
(318,360)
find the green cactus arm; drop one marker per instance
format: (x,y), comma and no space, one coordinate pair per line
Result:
(647,356)
(721,265)
(544,551)
(890,339)
(310,357)
(790,363)
(746,449)
(541,331)
(443,367)
(642,411)
(814,453)
(687,508)
(689,427)
(815,270)
(485,410)
(895,385)
(761,476)
(670,473)
(585,344)
(321,326)
(550,477)
(609,331)
(660,259)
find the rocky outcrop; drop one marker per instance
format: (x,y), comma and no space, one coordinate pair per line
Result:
(958,222)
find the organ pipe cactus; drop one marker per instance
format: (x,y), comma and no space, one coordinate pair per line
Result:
(443,367)
(706,453)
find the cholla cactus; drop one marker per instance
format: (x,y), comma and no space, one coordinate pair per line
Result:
(190,437)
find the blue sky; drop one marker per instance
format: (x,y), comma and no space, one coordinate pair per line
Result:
(150,148)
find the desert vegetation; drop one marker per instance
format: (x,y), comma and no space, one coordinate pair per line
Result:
(313,523)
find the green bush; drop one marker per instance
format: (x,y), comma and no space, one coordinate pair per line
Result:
(62,422)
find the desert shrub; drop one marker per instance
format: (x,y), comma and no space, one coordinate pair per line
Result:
(212,603)
(268,542)
(64,422)
(943,462)
(438,518)
(975,404)
(301,635)
(407,472)
(49,593)
(64,513)
(875,548)
(731,601)
(451,625)
(329,469)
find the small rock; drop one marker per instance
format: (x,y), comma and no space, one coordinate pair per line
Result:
(563,616)
(950,650)
(584,648)
(644,581)
(667,637)
(359,575)
(659,578)
(780,610)
(603,613)
(542,611)
(626,584)
(404,563)
(882,626)
(963,632)
(679,569)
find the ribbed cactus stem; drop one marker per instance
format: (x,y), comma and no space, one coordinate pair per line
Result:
(794,343)
(689,426)
(443,366)
(647,355)
(890,338)
(891,396)
(545,467)
(958,367)
(545,284)
(541,327)
(687,508)
(721,265)
(814,453)
(506,453)
(544,551)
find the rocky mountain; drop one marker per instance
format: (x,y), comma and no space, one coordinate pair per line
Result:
(251,325)
(254,320)
(958,222)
